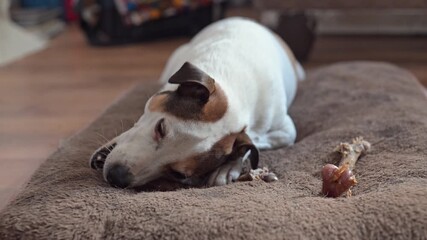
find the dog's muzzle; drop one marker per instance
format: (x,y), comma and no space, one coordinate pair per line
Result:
(119,176)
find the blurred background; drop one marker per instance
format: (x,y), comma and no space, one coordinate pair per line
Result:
(63,61)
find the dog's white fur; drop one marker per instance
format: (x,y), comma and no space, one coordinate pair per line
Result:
(259,80)
(255,72)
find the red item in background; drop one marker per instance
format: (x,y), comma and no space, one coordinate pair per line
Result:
(70,15)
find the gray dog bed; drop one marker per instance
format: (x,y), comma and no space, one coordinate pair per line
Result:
(66,199)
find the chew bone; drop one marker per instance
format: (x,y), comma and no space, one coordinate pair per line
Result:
(258,174)
(338,180)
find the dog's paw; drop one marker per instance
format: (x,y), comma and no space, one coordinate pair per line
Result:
(226,174)
(231,171)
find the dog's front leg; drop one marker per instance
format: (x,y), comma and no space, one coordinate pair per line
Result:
(284,136)
(229,172)
(225,174)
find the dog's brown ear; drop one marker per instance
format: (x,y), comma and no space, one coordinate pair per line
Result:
(242,146)
(193,83)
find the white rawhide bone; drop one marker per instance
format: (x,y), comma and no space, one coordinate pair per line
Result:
(258,174)
(338,180)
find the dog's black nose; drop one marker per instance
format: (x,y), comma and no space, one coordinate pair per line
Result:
(119,176)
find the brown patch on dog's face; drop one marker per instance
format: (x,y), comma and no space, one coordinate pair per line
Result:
(197,98)
(203,163)
(188,109)
(158,101)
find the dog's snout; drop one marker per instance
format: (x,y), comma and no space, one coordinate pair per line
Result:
(119,176)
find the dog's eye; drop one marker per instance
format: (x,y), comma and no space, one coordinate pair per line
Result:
(177,175)
(160,130)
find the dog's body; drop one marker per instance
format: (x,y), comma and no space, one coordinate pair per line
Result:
(254,70)
(225,92)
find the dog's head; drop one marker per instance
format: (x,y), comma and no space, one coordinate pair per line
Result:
(180,136)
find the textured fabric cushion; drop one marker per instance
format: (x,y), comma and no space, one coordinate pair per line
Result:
(342,4)
(66,199)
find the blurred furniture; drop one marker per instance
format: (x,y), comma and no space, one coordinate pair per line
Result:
(342,4)
(297,20)
(113,22)
(15,42)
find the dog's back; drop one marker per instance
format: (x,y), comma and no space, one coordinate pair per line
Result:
(251,66)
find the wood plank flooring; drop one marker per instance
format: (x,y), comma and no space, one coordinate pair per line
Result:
(50,95)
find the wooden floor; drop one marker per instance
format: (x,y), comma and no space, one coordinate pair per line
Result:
(50,95)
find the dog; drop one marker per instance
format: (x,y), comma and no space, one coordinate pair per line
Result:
(226,96)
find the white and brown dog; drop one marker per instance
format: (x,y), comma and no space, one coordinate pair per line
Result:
(226,95)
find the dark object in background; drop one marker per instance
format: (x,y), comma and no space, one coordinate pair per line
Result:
(69,11)
(104,25)
(41,3)
(34,16)
(298,31)
(40,17)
